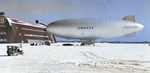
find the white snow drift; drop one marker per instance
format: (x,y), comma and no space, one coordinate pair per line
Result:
(102,58)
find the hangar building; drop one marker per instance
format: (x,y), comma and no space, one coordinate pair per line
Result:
(19,31)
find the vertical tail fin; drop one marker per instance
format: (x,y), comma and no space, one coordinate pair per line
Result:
(129,18)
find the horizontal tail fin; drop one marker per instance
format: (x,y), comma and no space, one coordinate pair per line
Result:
(129,18)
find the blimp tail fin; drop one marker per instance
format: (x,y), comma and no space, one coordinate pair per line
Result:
(129,18)
(130,35)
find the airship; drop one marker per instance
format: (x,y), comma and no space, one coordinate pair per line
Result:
(89,28)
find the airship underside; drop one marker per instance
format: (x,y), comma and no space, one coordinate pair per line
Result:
(92,28)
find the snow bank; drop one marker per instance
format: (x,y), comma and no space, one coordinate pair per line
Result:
(102,58)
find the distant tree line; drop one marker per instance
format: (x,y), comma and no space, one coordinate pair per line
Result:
(144,42)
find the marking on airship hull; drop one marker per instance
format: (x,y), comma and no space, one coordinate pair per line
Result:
(85,27)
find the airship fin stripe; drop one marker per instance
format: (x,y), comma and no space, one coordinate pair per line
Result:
(129,18)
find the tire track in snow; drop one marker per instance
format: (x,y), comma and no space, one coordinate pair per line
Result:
(90,55)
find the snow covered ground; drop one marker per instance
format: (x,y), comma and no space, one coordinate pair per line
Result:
(102,58)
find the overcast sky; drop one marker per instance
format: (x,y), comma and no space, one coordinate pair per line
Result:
(47,11)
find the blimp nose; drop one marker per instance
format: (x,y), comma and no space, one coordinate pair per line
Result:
(52,28)
(49,28)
